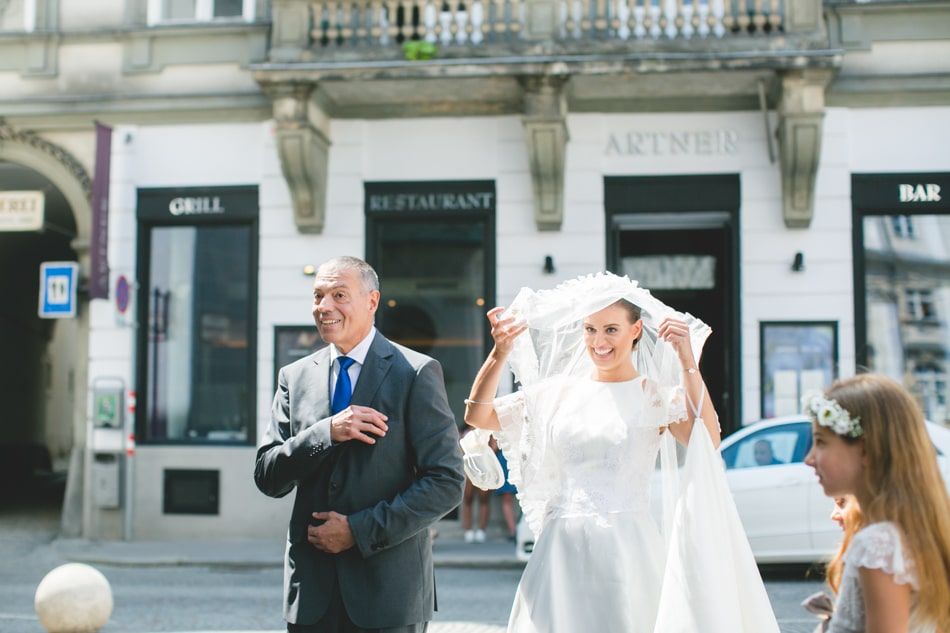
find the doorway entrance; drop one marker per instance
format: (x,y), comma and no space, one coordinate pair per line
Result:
(37,356)
(432,244)
(677,236)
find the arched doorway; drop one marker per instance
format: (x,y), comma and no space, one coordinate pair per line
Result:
(37,356)
(42,362)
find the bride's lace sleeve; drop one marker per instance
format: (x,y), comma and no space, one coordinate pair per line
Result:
(523,441)
(880,546)
(665,404)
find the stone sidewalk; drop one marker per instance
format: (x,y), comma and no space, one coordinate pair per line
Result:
(449,550)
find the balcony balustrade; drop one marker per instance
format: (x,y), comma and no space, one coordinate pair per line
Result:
(341,30)
(376,23)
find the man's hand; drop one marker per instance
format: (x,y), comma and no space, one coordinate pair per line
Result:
(333,535)
(358,423)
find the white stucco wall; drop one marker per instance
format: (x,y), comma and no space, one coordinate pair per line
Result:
(490,148)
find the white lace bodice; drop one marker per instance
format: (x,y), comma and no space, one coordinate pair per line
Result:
(585,447)
(877,546)
(605,463)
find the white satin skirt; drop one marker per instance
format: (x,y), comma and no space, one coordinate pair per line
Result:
(592,573)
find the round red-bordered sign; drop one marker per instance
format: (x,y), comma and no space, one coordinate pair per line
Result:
(122,293)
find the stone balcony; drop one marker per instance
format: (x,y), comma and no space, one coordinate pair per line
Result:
(479,53)
(542,59)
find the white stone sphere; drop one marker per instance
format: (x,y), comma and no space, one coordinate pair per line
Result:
(73,598)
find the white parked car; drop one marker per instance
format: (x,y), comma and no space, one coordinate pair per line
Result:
(784,511)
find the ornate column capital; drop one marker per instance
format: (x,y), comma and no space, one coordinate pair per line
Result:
(545,112)
(303,146)
(801,111)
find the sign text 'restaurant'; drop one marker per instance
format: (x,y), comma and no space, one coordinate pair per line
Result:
(431,201)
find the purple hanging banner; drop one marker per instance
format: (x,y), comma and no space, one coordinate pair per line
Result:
(99,246)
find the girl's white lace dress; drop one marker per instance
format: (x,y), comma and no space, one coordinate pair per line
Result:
(582,454)
(877,546)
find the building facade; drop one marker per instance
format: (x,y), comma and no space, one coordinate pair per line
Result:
(778,168)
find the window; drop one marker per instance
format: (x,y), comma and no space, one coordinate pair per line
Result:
(920,304)
(164,11)
(17,16)
(906,293)
(796,357)
(903,225)
(197,274)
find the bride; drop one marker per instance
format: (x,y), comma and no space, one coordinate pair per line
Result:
(609,378)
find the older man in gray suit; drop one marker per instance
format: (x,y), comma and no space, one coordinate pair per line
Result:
(363,430)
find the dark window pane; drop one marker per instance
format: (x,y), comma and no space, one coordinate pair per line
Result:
(198,355)
(432,282)
(228,8)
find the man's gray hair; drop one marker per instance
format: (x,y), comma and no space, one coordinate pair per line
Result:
(368,278)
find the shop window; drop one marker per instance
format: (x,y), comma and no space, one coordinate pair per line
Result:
(796,357)
(906,302)
(197,275)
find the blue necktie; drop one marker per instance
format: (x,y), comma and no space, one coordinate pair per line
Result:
(343,390)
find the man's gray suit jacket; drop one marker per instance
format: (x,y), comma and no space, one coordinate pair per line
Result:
(391,492)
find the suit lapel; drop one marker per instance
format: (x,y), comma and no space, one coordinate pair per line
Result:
(379,360)
(321,382)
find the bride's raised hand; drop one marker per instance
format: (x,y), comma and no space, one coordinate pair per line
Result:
(504,329)
(676,332)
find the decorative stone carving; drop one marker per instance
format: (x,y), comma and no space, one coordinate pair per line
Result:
(801,114)
(303,150)
(546,136)
(9,134)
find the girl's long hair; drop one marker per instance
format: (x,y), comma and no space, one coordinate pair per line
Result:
(903,482)
(853,521)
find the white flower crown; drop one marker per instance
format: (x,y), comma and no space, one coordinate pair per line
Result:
(827,412)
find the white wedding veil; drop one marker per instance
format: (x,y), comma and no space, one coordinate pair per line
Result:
(551,355)
(555,342)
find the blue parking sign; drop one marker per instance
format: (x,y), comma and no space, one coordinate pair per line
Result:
(58,282)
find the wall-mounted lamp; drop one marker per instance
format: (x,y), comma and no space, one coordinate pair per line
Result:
(309,270)
(798,263)
(548,265)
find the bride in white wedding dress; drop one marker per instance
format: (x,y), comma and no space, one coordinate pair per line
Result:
(609,376)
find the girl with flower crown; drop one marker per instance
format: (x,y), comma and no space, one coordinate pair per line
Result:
(608,378)
(870,441)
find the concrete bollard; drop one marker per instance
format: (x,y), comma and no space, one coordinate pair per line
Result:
(73,598)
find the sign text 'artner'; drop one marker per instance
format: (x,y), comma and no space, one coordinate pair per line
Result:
(681,143)
(919,193)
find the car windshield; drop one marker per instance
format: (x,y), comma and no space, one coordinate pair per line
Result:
(783,443)
(772,446)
